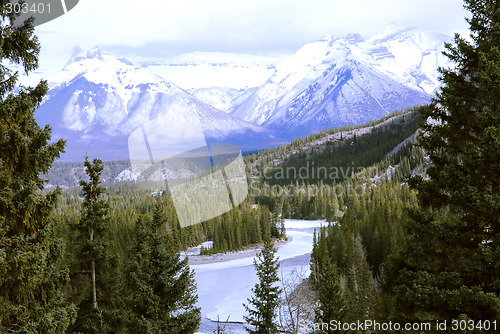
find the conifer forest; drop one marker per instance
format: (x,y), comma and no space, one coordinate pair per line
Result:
(409,206)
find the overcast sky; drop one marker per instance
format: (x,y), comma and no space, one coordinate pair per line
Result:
(265,27)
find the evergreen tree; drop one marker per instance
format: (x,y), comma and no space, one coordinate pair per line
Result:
(160,287)
(263,304)
(364,297)
(95,274)
(332,305)
(451,263)
(31,271)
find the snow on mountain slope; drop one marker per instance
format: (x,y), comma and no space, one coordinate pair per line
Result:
(97,89)
(223,98)
(218,97)
(219,79)
(407,55)
(340,81)
(98,100)
(212,69)
(351,93)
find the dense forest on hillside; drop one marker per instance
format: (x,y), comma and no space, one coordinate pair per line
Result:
(231,231)
(335,154)
(380,190)
(331,147)
(257,219)
(69,174)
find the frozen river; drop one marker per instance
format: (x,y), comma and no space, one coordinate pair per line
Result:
(224,287)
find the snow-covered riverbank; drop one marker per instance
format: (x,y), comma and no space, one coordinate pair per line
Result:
(224,286)
(196,259)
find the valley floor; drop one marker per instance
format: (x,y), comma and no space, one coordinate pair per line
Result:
(250,251)
(224,281)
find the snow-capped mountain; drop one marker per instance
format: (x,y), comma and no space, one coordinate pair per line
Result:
(98,100)
(407,55)
(219,79)
(212,69)
(346,93)
(343,81)
(221,98)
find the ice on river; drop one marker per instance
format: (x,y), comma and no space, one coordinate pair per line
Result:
(223,287)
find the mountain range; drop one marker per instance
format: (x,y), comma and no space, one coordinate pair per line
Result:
(98,99)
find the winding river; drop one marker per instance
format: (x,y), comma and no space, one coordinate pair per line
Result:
(223,287)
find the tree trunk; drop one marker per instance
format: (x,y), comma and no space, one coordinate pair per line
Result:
(94,291)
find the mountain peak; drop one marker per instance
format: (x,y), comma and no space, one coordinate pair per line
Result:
(94,52)
(354,38)
(334,81)
(80,54)
(101,67)
(94,55)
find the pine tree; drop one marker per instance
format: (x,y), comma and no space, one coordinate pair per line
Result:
(332,304)
(451,263)
(263,304)
(160,287)
(95,274)
(364,294)
(31,272)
